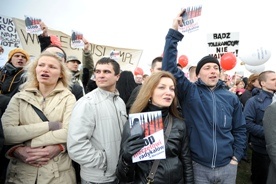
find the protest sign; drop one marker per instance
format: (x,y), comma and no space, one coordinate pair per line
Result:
(151,125)
(220,43)
(14,35)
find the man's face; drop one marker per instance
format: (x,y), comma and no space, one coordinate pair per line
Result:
(18,60)
(73,65)
(270,83)
(105,77)
(157,67)
(138,79)
(192,74)
(209,74)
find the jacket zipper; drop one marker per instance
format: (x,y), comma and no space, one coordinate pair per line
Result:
(214,128)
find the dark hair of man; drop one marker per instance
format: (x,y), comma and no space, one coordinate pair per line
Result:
(262,76)
(157,59)
(107,60)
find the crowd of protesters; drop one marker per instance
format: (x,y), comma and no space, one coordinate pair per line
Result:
(64,124)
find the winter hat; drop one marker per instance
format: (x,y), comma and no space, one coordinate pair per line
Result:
(73,58)
(18,50)
(138,71)
(204,60)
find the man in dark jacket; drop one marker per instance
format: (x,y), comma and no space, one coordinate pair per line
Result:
(11,77)
(254,111)
(213,115)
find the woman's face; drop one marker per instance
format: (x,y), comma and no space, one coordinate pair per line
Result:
(240,85)
(163,94)
(256,84)
(48,71)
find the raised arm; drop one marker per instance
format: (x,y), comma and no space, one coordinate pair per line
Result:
(87,63)
(44,38)
(169,62)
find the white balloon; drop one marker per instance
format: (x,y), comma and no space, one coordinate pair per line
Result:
(255,57)
(255,69)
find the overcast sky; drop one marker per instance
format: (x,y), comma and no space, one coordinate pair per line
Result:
(143,24)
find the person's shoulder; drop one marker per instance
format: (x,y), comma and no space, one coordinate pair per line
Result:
(179,123)
(75,85)
(246,93)
(22,93)
(137,88)
(93,96)
(251,100)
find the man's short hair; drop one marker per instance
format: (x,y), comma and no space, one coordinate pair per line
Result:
(263,75)
(107,60)
(192,67)
(157,59)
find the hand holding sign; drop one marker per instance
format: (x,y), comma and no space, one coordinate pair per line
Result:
(77,39)
(32,25)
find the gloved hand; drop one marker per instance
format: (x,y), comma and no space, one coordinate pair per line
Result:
(131,146)
(54,125)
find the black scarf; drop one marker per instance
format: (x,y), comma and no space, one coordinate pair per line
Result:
(10,69)
(164,110)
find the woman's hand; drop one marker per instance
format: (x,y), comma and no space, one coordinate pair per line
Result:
(37,156)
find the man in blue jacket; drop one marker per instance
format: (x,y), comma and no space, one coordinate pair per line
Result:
(254,112)
(213,115)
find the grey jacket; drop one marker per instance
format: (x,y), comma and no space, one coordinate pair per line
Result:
(269,125)
(94,134)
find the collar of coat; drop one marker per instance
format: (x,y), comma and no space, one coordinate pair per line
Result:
(59,88)
(108,93)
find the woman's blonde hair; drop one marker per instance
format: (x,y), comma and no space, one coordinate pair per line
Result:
(147,90)
(30,72)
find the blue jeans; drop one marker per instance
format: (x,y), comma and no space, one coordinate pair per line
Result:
(89,182)
(220,175)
